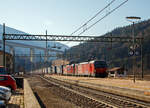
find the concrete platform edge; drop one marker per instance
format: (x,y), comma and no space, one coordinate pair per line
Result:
(30,100)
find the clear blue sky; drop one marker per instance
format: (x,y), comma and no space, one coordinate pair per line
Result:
(64,16)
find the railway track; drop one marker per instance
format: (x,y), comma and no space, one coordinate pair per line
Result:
(90,98)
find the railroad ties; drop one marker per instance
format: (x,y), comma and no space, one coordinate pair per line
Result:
(88,98)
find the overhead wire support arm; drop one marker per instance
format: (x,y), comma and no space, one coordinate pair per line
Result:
(34,55)
(69,38)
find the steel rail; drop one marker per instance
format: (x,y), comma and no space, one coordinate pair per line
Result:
(84,98)
(109,98)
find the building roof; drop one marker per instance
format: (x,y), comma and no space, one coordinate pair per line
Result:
(1,52)
(59,62)
(115,69)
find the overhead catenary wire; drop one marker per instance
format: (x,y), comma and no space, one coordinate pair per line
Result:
(93,17)
(85,24)
(96,16)
(103,17)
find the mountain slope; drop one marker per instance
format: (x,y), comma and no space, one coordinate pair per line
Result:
(116,54)
(33,43)
(25,63)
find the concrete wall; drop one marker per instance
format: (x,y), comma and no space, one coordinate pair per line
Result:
(30,100)
(19,82)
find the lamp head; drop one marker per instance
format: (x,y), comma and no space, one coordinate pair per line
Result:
(133,17)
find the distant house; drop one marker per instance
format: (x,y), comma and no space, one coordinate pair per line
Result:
(59,62)
(57,66)
(116,72)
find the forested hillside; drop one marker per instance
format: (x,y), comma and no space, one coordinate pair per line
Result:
(116,54)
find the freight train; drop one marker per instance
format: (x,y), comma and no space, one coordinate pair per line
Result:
(91,68)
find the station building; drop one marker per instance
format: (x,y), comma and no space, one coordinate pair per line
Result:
(57,66)
(9,62)
(59,62)
(116,72)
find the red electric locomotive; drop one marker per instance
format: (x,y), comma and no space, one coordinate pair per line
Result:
(92,68)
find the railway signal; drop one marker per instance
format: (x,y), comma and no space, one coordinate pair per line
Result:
(132,52)
(133,47)
(133,19)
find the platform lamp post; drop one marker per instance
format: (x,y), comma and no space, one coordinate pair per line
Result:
(133,20)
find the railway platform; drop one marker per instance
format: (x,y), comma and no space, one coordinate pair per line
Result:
(23,97)
(17,100)
(126,87)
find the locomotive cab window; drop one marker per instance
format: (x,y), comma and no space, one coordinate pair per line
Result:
(100,64)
